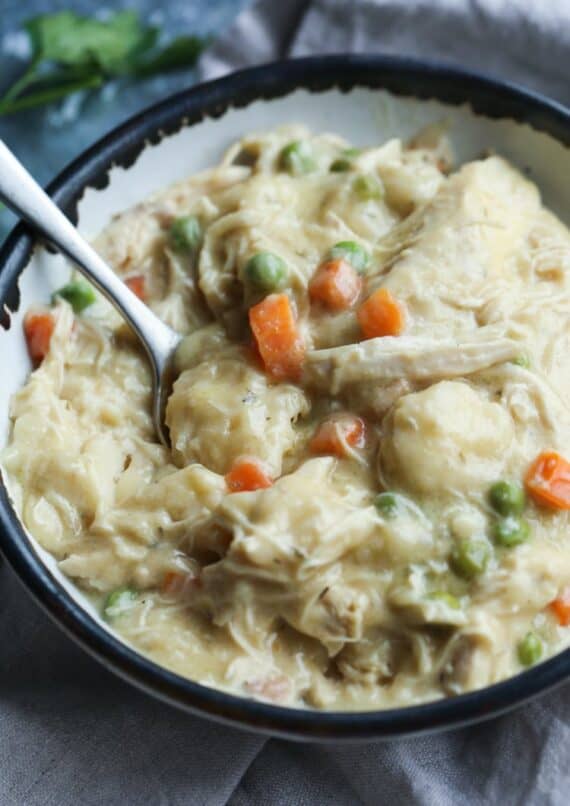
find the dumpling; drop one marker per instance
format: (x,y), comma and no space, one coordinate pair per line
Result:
(224,408)
(448,438)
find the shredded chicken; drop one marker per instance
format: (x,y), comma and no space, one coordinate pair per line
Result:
(414,358)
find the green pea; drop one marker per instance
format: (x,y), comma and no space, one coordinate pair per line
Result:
(266,271)
(340,166)
(507,498)
(469,558)
(446,598)
(78,293)
(344,162)
(185,234)
(297,158)
(522,361)
(367,187)
(387,505)
(351,251)
(529,649)
(510,532)
(119,602)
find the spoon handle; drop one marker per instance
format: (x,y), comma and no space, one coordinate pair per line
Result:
(26,198)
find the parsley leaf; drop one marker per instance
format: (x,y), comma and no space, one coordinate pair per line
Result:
(68,39)
(181,52)
(71,53)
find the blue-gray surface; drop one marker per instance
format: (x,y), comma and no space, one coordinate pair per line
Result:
(47,139)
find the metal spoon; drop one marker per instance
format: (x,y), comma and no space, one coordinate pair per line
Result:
(20,192)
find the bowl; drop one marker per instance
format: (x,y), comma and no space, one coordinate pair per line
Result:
(366,99)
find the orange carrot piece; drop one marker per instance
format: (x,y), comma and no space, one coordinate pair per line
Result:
(38,330)
(336,284)
(380,315)
(248,474)
(337,433)
(277,337)
(561,608)
(548,480)
(136,283)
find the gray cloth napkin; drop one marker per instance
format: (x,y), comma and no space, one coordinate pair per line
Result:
(522,40)
(72,734)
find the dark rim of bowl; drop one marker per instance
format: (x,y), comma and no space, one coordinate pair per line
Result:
(401,76)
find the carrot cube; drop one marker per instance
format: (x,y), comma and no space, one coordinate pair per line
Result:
(336,285)
(247,474)
(380,315)
(548,480)
(38,330)
(335,435)
(277,337)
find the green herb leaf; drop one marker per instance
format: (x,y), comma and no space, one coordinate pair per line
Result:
(181,52)
(71,53)
(45,92)
(68,39)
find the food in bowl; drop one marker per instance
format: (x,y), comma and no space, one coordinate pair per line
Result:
(366,500)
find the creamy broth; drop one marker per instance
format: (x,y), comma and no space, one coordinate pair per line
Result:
(366,500)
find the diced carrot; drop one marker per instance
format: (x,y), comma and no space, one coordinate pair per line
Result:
(338,433)
(136,283)
(561,608)
(38,330)
(336,284)
(277,336)
(248,474)
(380,315)
(548,480)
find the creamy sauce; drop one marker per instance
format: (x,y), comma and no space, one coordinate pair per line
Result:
(312,591)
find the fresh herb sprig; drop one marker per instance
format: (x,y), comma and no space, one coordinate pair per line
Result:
(71,53)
